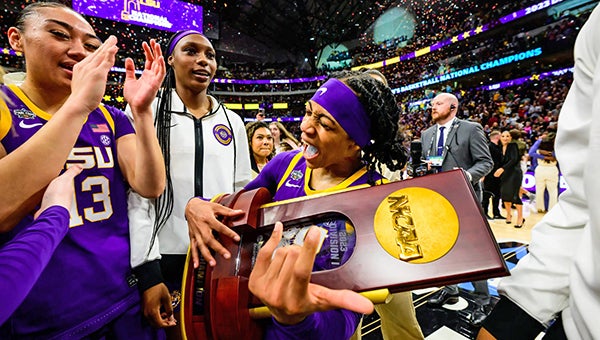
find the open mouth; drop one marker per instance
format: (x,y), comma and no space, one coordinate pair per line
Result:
(68,67)
(310,151)
(203,74)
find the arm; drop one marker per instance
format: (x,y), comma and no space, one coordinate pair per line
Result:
(511,158)
(145,262)
(139,155)
(480,151)
(281,280)
(202,216)
(24,257)
(533,151)
(48,159)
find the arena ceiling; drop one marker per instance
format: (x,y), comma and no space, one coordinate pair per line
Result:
(299,26)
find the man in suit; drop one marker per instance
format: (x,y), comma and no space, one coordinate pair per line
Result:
(450,144)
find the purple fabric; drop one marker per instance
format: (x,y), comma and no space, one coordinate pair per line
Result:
(331,325)
(343,104)
(34,245)
(84,286)
(178,37)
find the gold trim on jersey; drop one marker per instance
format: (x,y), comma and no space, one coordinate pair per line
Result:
(5,119)
(308,173)
(46,116)
(345,183)
(38,112)
(289,169)
(108,117)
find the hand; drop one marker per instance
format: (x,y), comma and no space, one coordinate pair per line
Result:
(202,220)
(60,190)
(153,299)
(498,172)
(281,280)
(88,83)
(140,93)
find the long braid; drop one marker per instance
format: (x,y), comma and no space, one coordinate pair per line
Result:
(163,206)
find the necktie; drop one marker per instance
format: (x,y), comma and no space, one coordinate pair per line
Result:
(440,145)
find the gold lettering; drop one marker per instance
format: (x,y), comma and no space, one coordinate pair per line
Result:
(406,231)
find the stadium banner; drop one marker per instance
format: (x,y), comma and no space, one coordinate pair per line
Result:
(166,15)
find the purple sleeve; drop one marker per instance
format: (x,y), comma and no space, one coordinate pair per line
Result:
(330,325)
(271,174)
(534,148)
(122,123)
(24,257)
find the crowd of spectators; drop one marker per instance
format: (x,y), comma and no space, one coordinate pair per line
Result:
(532,107)
(439,21)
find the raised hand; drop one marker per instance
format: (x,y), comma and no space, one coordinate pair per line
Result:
(202,220)
(88,83)
(140,93)
(281,280)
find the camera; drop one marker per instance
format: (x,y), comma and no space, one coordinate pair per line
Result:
(417,166)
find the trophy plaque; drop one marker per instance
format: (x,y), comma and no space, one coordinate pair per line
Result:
(423,232)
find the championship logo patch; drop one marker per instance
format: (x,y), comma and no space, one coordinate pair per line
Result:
(222,134)
(296,175)
(24,113)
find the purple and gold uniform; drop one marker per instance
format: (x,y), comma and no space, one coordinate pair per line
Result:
(287,176)
(85,285)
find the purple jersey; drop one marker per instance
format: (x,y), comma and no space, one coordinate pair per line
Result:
(85,283)
(287,176)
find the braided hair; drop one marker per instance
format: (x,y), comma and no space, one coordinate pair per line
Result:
(163,207)
(381,107)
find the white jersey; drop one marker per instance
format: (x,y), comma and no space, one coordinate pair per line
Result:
(562,272)
(224,168)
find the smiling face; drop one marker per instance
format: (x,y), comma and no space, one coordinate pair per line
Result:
(262,143)
(194,62)
(326,144)
(53,40)
(505,138)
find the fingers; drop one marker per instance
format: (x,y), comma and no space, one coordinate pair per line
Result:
(205,252)
(148,54)
(167,316)
(129,69)
(265,254)
(104,56)
(60,190)
(344,299)
(194,252)
(202,221)
(306,259)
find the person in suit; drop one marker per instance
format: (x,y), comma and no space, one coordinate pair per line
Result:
(462,144)
(491,184)
(453,143)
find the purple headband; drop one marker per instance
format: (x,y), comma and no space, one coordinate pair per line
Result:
(178,37)
(339,100)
